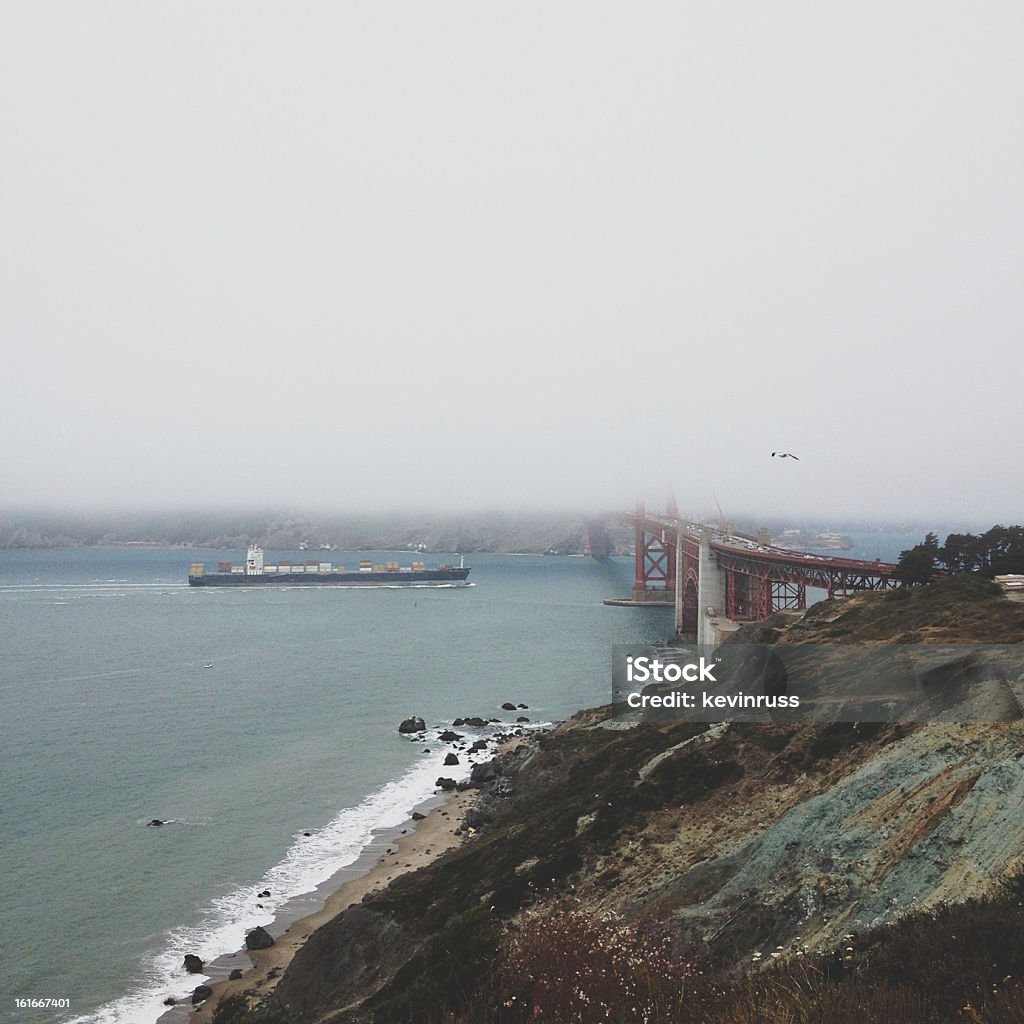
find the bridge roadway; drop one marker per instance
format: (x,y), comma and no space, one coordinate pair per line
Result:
(717,579)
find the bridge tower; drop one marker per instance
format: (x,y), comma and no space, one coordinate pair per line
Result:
(655,567)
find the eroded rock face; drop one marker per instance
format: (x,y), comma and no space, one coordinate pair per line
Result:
(413,724)
(347,960)
(259,938)
(193,964)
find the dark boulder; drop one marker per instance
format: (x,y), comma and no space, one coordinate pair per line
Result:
(155,823)
(482,773)
(524,707)
(235,975)
(201,993)
(451,759)
(508,706)
(445,783)
(416,816)
(259,938)
(522,718)
(193,964)
(480,815)
(449,737)
(479,745)
(414,724)
(477,723)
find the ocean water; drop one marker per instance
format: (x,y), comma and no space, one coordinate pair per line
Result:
(246,718)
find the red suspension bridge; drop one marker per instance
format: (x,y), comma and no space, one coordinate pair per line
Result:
(715,578)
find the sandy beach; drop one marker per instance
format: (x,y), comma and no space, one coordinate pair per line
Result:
(421,843)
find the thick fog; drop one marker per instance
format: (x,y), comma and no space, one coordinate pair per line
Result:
(456,255)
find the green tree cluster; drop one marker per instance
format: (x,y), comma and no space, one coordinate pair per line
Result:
(997,551)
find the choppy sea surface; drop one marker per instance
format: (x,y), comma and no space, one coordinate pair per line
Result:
(245,718)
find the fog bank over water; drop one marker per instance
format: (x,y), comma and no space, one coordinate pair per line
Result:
(563,533)
(456,256)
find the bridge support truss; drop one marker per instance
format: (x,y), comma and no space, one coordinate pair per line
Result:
(655,569)
(749,598)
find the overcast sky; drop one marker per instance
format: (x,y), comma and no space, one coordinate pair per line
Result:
(561,254)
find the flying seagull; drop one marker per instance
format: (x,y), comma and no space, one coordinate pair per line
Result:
(784,455)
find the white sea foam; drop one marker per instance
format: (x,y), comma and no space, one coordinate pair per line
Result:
(117,585)
(310,860)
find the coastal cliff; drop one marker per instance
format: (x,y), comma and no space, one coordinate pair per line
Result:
(751,866)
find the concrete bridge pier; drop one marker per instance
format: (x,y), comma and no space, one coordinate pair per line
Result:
(680,585)
(710,593)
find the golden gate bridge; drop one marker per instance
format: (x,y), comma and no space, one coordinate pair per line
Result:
(717,579)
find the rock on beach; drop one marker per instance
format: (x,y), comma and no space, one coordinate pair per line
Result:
(259,938)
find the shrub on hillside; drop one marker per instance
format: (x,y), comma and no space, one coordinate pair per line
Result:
(563,967)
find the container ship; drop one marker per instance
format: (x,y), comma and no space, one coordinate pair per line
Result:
(256,573)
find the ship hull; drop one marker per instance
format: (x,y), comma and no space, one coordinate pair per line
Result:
(455,577)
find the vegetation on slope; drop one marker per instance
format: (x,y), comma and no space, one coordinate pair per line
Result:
(962,962)
(964,608)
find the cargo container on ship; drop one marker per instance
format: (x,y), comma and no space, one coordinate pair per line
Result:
(256,573)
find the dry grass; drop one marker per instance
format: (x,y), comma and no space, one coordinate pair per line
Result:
(961,962)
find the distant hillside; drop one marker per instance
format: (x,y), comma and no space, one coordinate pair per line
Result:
(538,533)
